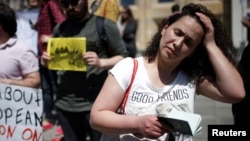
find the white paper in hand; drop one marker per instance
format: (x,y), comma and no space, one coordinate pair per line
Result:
(181,121)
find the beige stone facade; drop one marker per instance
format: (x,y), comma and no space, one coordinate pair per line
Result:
(150,12)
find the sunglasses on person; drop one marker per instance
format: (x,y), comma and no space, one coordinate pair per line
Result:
(66,3)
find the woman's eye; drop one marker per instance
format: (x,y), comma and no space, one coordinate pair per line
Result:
(178,32)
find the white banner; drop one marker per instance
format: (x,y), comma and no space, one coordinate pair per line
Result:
(21,111)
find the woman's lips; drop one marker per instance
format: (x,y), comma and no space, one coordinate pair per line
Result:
(171,51)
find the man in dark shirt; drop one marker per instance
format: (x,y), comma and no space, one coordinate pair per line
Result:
(78,89)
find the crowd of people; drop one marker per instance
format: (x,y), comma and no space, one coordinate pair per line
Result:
(191,54)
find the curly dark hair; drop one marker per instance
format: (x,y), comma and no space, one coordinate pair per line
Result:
(197,65)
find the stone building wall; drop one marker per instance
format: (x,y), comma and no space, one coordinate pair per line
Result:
(150,12)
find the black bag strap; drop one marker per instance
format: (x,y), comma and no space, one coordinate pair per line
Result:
(101,32)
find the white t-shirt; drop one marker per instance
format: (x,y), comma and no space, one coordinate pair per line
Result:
(144,96)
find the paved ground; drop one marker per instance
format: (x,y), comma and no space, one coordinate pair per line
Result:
(50,134)
(212,113)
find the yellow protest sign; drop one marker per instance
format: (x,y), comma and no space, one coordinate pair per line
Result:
(66,53)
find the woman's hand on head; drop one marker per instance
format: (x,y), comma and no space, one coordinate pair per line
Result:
(209,33)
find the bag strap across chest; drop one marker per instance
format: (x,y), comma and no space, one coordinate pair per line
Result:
(125,98)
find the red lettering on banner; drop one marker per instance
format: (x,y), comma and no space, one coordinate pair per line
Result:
(29,135)
(10,132)
(7,132)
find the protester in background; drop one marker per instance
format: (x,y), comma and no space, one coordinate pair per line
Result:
(51,14)
(30,13)
(106,8)
(18,67)
(78,90)
(128,28)
(25,19)
(190,54)
(18,63)
(240,110)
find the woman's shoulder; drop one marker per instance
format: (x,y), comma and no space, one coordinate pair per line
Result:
(126,64)
(126,61)
(129,60)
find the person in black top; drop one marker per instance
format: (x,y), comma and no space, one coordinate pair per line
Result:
(241,110)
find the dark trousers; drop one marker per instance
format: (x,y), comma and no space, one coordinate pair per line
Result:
(76,126)
(241,110)
(49,88)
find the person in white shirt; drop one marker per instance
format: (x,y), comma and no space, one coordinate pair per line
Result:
(190,55)
(25,20)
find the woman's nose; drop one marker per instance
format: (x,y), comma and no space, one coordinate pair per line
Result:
(178,42)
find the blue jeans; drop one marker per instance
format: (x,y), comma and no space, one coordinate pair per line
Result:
(49,89)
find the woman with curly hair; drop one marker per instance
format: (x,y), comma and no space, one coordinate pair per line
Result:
(190,55)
